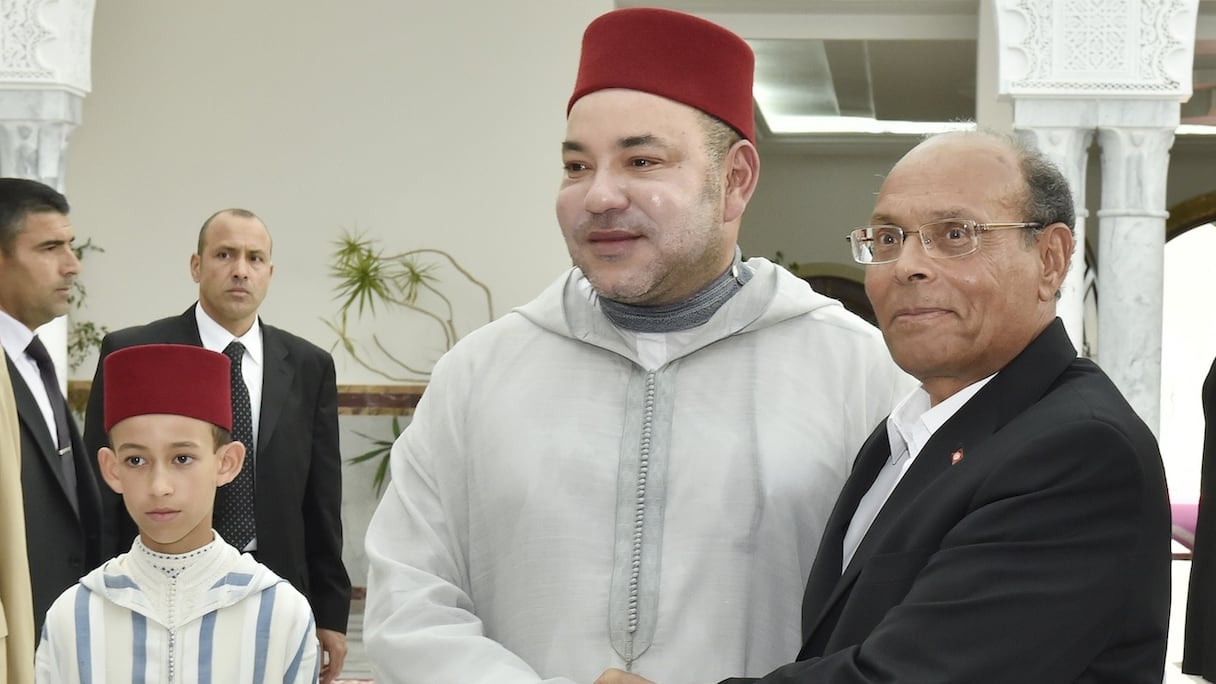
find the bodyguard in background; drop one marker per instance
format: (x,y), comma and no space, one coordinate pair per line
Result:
(61,499)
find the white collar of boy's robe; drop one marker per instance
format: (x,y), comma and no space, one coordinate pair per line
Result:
(206,579)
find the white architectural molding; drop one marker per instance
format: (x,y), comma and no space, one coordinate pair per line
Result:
(46,44)
(34,129)
(1103,48)
(1131,262)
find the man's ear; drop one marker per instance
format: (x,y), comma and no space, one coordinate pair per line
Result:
(1055,250)
(196,267)
(742,166)
(108,460)
(232,458)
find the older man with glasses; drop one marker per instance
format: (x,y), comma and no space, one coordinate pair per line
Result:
(1009,521)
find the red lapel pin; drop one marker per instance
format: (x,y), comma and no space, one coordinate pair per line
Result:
(956,456)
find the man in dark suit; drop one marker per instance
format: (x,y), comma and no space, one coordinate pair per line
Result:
(288,514)
(1009,522)
(1199,640)
(62,504)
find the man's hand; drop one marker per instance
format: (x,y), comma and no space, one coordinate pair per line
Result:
(615,676)
(333,654)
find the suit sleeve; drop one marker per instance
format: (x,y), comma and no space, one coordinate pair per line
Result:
(1029,582)
(328,581)
(115,525)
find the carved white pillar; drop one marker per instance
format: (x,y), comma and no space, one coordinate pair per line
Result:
(34,129)
(1131,271)
(1068,148)
(44,75)
(1122,67)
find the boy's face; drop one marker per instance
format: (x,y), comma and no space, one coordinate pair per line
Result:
(167,468)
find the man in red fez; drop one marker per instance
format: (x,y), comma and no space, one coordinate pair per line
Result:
(182,604)
(633,469)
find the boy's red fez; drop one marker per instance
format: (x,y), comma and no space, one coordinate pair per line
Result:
(675,55)
(176,379)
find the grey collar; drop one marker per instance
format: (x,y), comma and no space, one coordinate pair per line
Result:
(694,311)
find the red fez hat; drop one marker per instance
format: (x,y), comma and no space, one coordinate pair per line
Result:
(675,55)
(176,379)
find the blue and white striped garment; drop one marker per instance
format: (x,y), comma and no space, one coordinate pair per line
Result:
(222,619)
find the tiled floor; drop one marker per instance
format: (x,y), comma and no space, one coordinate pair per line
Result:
(357,668)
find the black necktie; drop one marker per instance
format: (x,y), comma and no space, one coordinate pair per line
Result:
(234,511)
(63,438)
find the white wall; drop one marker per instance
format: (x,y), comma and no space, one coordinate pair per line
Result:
(810,197)
(1187,349)
(431,124)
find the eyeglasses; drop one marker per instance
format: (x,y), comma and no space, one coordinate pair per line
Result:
(944,239)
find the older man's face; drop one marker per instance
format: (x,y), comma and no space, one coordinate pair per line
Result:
(951,322)
(641,203)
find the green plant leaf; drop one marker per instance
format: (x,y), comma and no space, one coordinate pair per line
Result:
(382,449)
(359,268)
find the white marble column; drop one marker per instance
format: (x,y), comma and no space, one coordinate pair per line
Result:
(1068,148)
(1131,272)
(34,129)
(44,76)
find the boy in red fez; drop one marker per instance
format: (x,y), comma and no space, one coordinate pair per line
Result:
(181,605)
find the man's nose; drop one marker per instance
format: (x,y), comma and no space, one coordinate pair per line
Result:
(606,193)
(72,265)
(914,262)
(240,269)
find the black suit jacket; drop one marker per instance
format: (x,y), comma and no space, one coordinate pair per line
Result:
(1199,644)
(63,545)
(1028,542)
(298,464)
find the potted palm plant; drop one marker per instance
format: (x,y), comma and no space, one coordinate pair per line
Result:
(373,282)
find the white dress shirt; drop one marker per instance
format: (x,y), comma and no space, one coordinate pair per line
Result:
(16,337)
(216,338)
(909,428)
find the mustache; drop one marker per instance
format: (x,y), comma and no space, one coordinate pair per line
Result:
(611,222)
